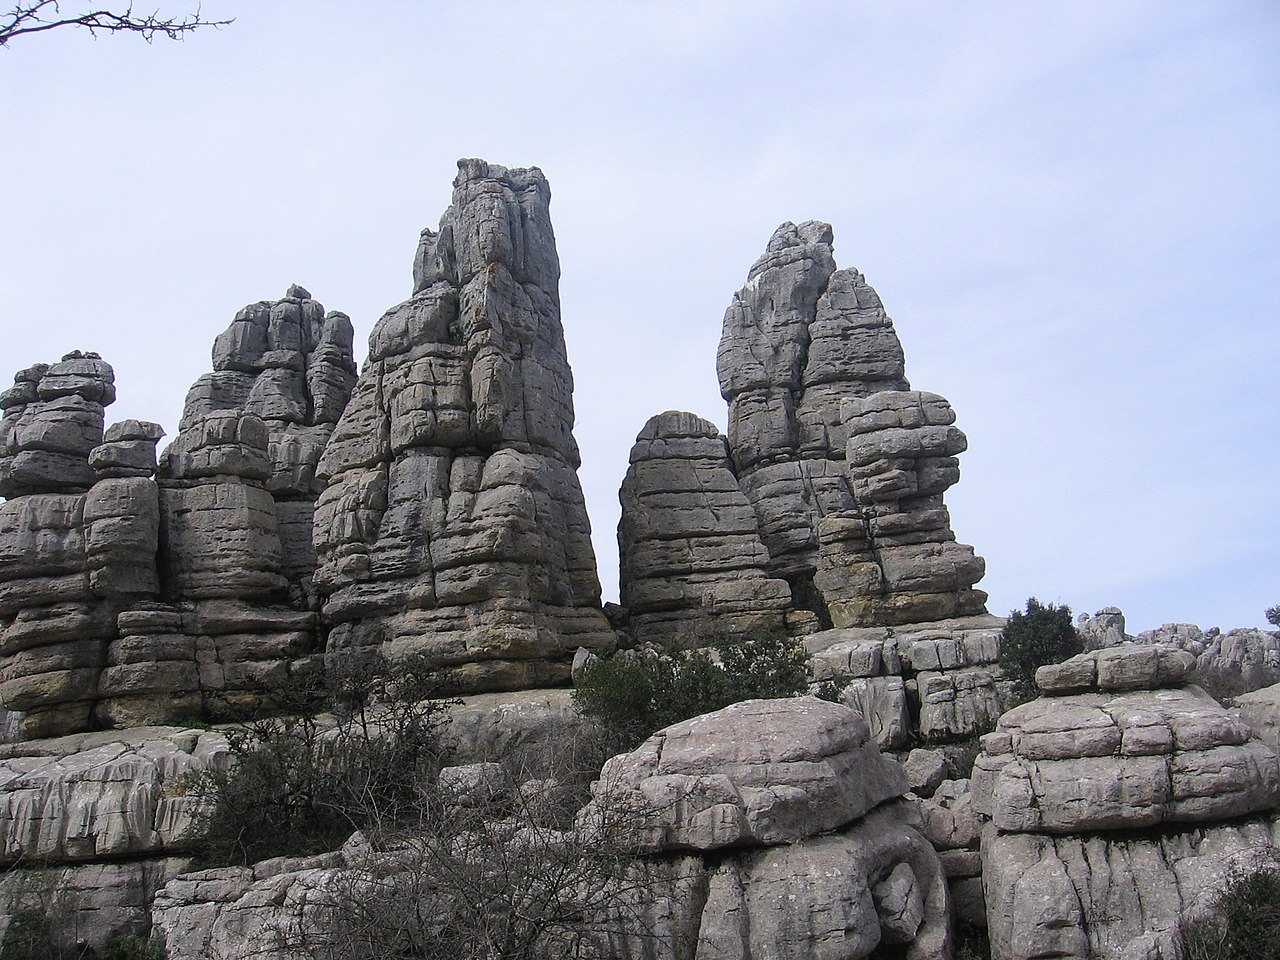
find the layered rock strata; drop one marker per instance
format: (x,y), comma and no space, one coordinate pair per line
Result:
(1114,800)
(128,600)
(693,565)
(844,465)
(938,681)
(453,531)
(79,534)
(843,468)
(94,824)
(289,365)
(1227,664)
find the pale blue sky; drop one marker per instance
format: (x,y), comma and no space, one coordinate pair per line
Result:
(1069,209)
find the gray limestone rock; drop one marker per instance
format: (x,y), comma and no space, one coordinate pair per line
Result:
(453,527)
(1113,807)
(1108,897)
(693,565)
(757,772)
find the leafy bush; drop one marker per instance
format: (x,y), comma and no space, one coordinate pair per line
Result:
(300,784)
(1043,634)
(1273,615)
(632,695)
(1244,924)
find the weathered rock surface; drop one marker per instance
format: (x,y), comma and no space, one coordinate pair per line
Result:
(938,680)
(1106,896)
(286,368)
(757,772)
(102,796)
(1114,800)
(1227,664)
(844,465)
(843,891)
(78,537)
(453,528)
(693,564)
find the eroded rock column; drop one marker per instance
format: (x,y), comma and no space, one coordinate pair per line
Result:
(453,530)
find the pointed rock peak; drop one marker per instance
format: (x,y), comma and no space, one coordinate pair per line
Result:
(296,292)
(790,243)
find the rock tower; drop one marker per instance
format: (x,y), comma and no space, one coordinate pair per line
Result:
(452,530)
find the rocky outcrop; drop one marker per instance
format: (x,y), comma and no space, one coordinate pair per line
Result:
(938,681)
(287,365)
(777,833)
(79,534)
(844,465)
(841,464)
(125,600)
(97,823)
(453,530)
(1227,664)
(693,565)
(1108,797)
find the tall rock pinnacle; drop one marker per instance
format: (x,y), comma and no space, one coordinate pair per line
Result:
(453,529)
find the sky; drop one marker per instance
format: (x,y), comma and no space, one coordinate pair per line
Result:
(1070,210)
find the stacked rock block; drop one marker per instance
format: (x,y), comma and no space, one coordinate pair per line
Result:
(939,681)
(797,339)
(768,829)
(290,365)
(773,828)
(895,559)
(453,530)
(842,464)
(227,636)
(693,565)
(1118,801)
(92,825)
(78,537)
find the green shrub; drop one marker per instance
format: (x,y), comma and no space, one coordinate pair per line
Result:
(300,784)
(1043,634)
(1244,923)
(631,695)
(1273,615)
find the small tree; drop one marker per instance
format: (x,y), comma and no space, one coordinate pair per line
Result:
(1273,615)
(1043,634)
(302,781)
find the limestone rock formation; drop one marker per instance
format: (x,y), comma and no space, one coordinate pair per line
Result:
(1107,798)
(286,368)
(1227,664)
(78,537)
(842,465)
(453,529)
(93,824)
(828,864)
(759,772)
(693,564)
(940,681)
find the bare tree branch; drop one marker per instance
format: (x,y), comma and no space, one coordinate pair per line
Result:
(38,16)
